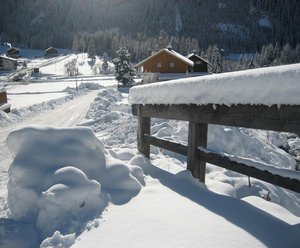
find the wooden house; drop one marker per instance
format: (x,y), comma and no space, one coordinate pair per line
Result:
(200,64)
(7,63)
(13,53)
(165,61)
(51,52)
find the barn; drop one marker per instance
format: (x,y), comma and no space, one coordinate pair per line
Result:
(51,52)
(7,63)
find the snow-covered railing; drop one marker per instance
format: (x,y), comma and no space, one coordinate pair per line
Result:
(261,99)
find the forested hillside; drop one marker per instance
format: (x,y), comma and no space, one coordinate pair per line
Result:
(234,25)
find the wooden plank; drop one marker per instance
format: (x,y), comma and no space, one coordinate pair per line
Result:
(168,145)
(225,162)
(197,137)
(144,124)
(286,118)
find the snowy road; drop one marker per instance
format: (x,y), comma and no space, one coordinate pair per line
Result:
(66,115)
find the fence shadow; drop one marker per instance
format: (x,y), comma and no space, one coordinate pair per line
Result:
(270,230)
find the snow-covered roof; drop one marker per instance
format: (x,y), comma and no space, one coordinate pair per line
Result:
(8,58)
(198,56)
(170,52)
(267,86)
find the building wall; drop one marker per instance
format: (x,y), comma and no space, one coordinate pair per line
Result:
(165,60)
(7,64)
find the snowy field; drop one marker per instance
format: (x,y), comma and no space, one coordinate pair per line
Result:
(70,176)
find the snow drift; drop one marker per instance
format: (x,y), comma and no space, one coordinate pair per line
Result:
(61,178)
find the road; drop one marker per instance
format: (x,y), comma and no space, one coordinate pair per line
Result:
(66,115)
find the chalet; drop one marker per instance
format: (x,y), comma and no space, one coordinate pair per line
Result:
(200,64)
(7,63)
(51,52)
(165,61)
(13,53)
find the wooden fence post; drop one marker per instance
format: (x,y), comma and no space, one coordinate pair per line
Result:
(197,136)
(144,124)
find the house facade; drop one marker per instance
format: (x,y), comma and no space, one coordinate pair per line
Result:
(7,63)
(165,61)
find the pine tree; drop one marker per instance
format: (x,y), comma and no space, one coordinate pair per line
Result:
(91,50)
(123,70)
(215,60)
(286,55)
(75,45)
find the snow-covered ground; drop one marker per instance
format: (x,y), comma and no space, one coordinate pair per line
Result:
(70,176)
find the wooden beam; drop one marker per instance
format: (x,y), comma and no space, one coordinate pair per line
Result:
(225,162)
(285,118)
(197,136)
(144,124)
(168,145)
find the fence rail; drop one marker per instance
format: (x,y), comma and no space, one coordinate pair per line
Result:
(277,118)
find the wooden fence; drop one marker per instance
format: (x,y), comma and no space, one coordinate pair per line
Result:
(285,118)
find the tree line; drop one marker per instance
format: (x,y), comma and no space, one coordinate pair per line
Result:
(232,26)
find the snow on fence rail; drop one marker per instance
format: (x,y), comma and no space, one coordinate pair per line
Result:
(278,109)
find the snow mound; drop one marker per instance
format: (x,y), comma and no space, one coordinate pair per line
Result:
(59,241)
(62,178)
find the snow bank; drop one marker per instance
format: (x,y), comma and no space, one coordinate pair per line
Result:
(61,178)
(267,86)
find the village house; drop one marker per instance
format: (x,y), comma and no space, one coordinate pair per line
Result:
(165,61)
(51,52)
(168,64)
(200,64)
(13,53)
(7,63)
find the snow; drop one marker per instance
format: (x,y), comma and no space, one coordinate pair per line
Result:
(61,177)
(87,186)
(267,86)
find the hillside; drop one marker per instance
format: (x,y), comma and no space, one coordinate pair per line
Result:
(233,26)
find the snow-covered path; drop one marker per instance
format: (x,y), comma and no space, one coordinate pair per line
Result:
(66,115)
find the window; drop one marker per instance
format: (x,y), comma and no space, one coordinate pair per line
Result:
(159,65)
(172,65)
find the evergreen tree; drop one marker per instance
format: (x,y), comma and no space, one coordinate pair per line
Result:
(91,50)
(75,44)
(286,55)
(123,70)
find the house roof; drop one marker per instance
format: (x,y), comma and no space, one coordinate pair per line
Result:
(170,52)
(198,56)
(8,58)
(51,48)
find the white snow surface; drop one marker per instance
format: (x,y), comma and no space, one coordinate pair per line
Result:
(267,86)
